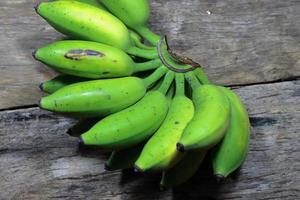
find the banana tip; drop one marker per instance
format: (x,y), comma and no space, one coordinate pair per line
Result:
(39,103)
(80,141)
(137,169)
(41,87)
(180,147)
(107,167)
(36,7)
(219,178)
(34,54)
(69,131)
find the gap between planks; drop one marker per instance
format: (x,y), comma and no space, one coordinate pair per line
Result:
(231,86)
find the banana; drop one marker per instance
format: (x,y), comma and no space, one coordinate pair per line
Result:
(99,97)
(82,126)
(231,152)
(133,125)
(211,119)
(90,59)
(184,170)
(83,21)
(135,38)
(95,3)
(135,14)
(160,151)
(123,159)
(60,81)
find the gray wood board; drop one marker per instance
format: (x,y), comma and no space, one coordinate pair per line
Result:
(40,161)
(239,42)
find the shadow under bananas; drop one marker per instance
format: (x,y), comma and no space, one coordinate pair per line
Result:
(205,184)
(141,185)
(201,186)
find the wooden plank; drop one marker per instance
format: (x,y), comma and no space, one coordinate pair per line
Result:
(239,42)
(40,161)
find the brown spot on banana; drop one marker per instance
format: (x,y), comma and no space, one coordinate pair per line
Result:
(77,54)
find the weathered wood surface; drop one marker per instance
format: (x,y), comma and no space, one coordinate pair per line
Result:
(239,42)
(39,161)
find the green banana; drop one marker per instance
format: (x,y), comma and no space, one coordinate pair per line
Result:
(82,126)
(135,14)
(133,125)
(90,59)
(135,38)
(95,3)
(83,21)
(232,150)
(211,119)
(99,97)
(60,81)
(123,159)
(184,170)
(160,151)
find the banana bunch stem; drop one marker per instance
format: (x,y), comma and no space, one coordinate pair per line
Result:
(149,65)
(146,33)
(180,88)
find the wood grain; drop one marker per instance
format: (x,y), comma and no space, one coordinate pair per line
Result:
(40,161)
(239,42)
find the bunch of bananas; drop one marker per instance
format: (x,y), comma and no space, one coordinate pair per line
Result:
(131,97)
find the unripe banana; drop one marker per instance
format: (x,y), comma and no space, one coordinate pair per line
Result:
(160,151)
(135,38)
(123,159)
(130,126)
(211,119)
(232,150)
(95,3)
(83,21)
(99,97)
(184,170)
(95,98)
(90,59)
(60,81)
(134,14)
(133,125)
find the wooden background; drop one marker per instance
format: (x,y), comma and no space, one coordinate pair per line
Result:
(253,45)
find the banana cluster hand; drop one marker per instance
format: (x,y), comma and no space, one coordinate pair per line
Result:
(131,97)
